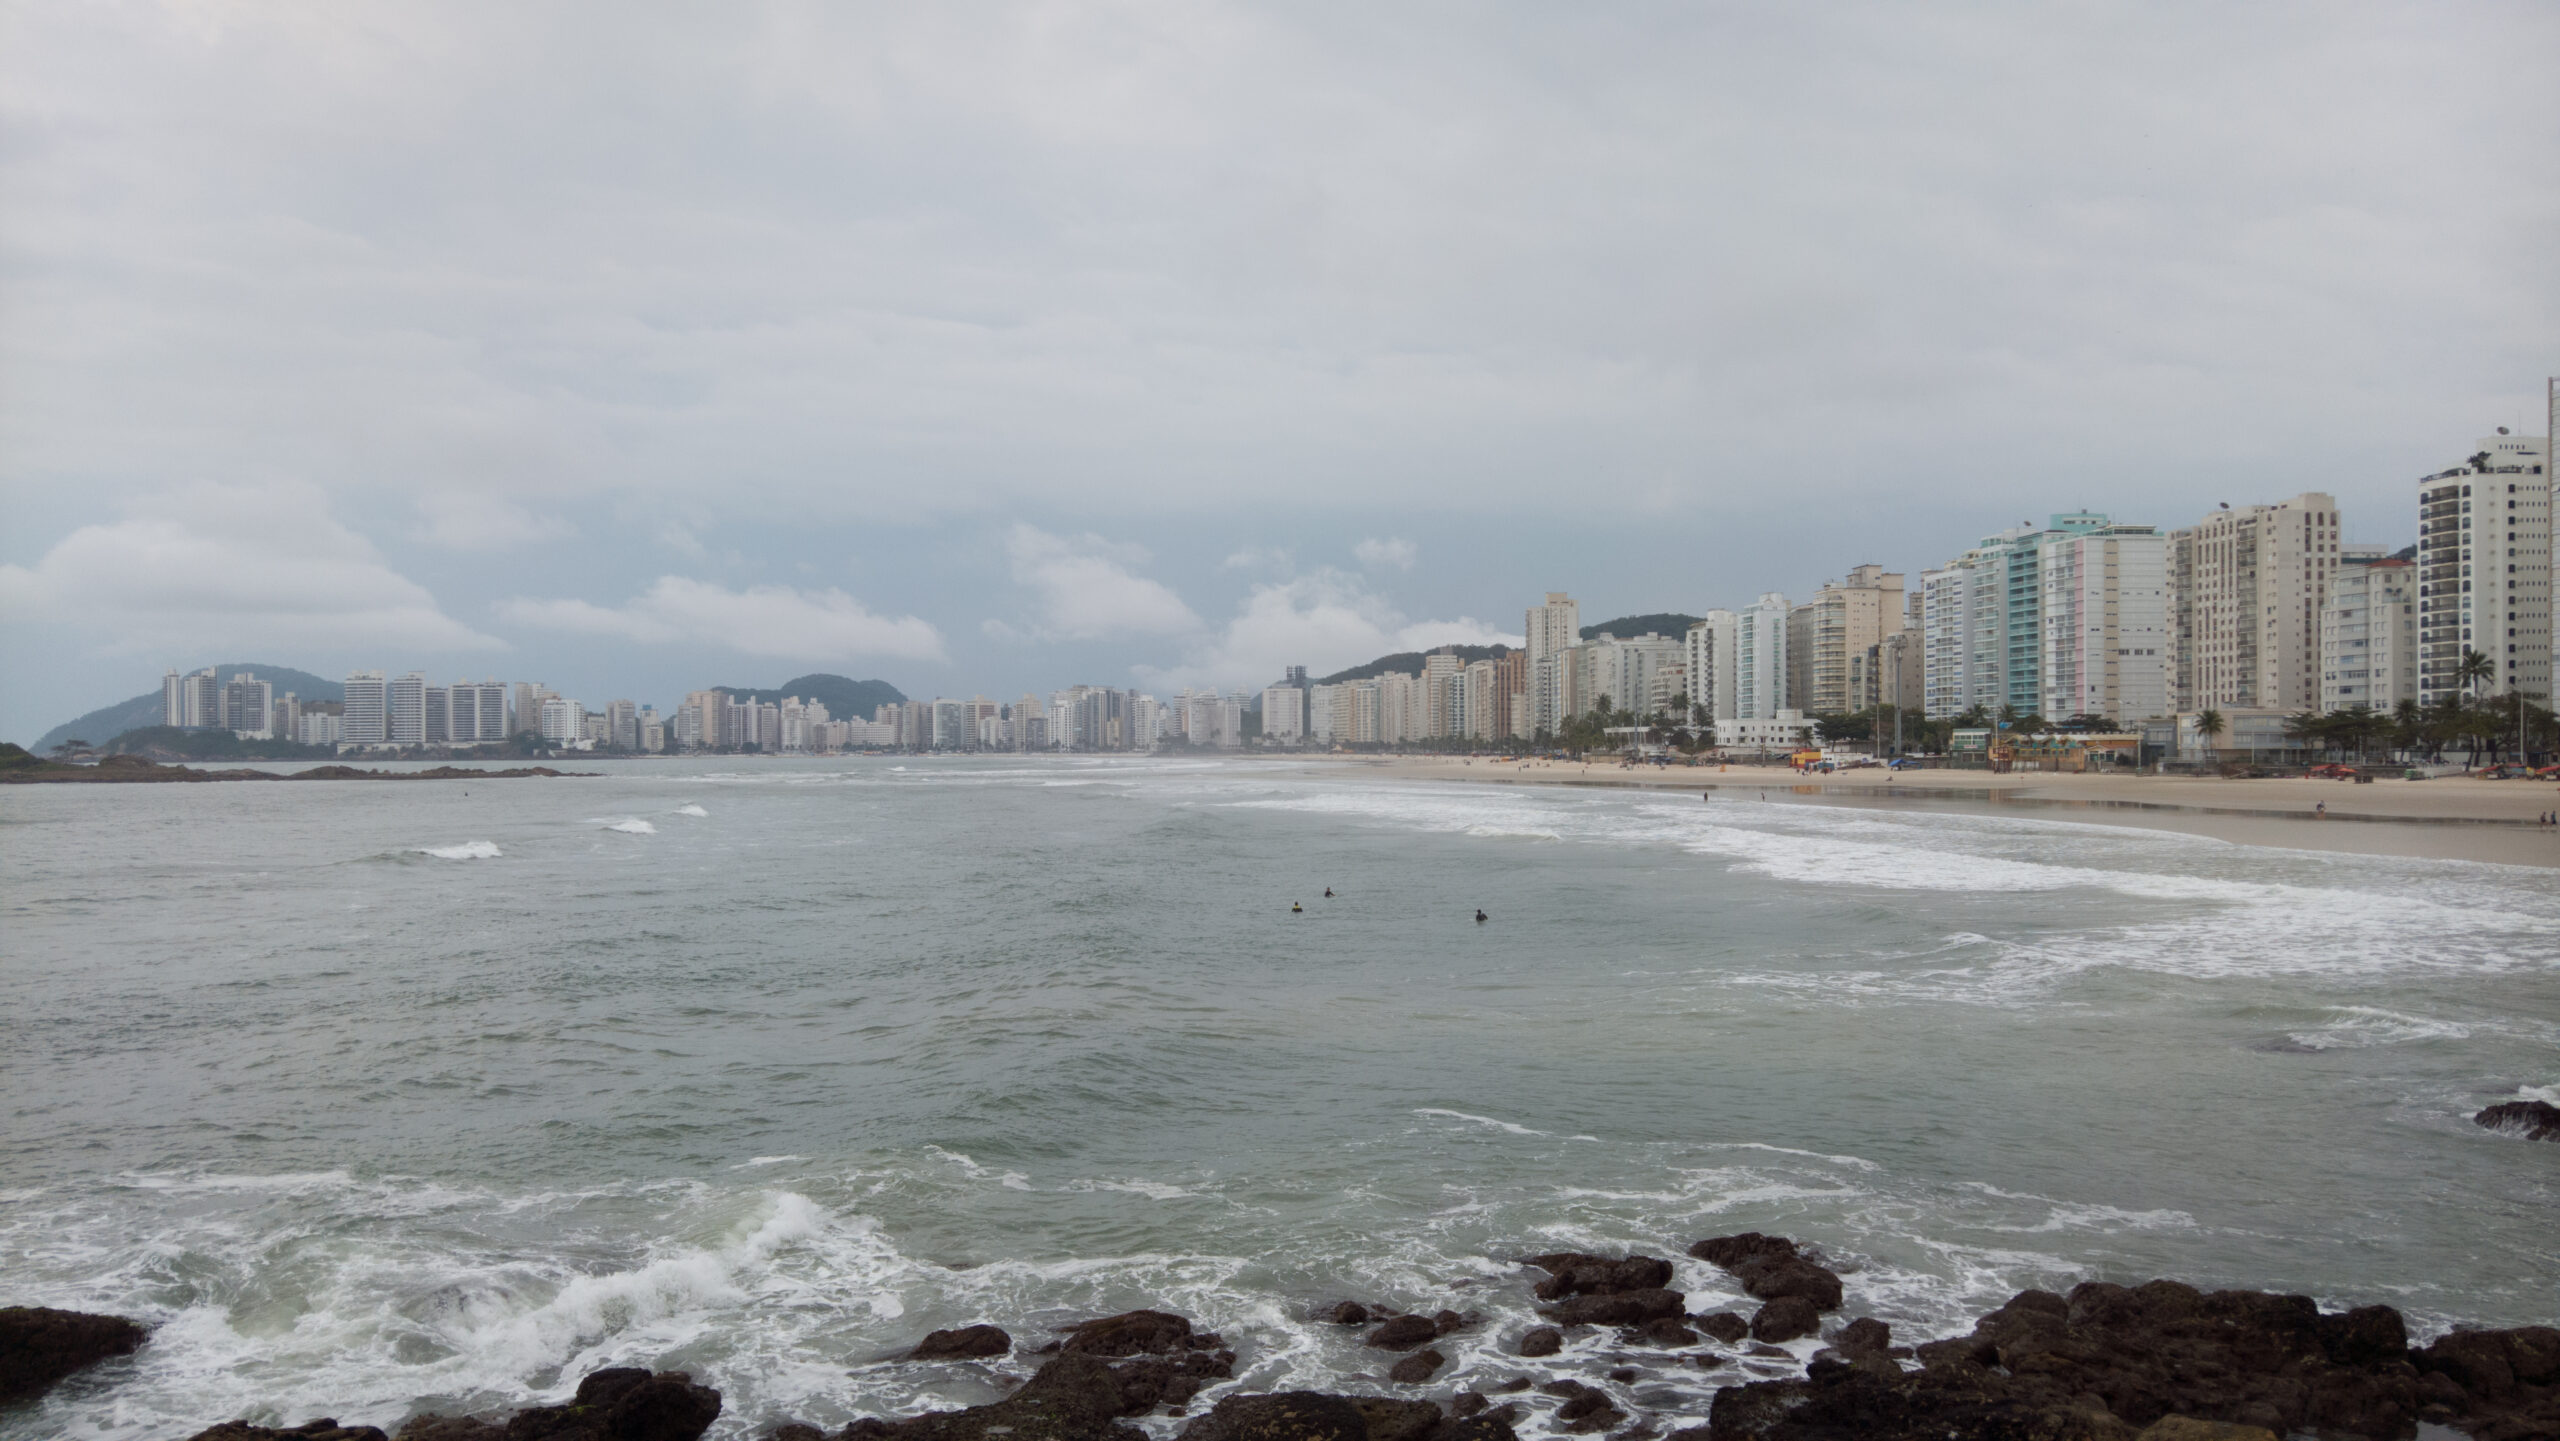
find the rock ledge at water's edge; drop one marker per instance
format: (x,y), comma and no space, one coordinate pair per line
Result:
(2163,1361)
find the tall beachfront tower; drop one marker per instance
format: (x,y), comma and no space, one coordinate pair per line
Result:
(2249,586)
(1554,627)
(2484,570)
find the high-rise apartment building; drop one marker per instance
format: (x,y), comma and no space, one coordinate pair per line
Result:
(365,721)
(1283,715)
(1513,719)
(438,707)
(2103,623)
(405,709)
(1844,620)
(248,707)
(1553,627)
(2248,586)
(2369,634)
(1760,658)
(1709,648)
(2484,570)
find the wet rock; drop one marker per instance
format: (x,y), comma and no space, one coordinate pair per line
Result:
(1623,1308)
(326,1429)
(1466,1404)
(1785,1319)
(1391,1420)
(1664,1331)
(1445,1322)
(1146,1382)
(2533,1120)
(1493,1425)
(1623,1374)
(1728,1252)
(1725,1326)
(964,1343)
(624,1403)
(1577,1273)
(1344,1313)
(1541,1341)
(1504,1388)
(1585,1409)
(432,1427)
(39,1346)
(1131,1333)
(2108,1361)
(1862,1335)
(2187,1428)
(787,1431)
(1416,1368)
(1076,1397)
(1403,1333)
(1280,1416)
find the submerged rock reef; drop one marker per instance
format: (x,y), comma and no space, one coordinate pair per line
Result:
(2163,1361)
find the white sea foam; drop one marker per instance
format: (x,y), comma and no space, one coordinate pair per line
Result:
(2373,1026)
(628,825)
(754,1161)
(696,811)
(1513,1127)
(467,851)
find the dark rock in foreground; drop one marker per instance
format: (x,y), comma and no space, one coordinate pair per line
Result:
(1624,1308)
(1770,1267)
(624,1403)
(1785,1319)
(1575,1273)
(2108,1361)
(1417,1368)
(1725,1326)
(1131,1333)
(1403,1333)
(962,1344)
(326,1429)
(40,1345)
(1541,1341)
(2533,1120)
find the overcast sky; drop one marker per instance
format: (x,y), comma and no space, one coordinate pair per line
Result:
(983,347)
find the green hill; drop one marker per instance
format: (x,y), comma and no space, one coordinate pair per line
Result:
(1409,662)
(1670,623)
(844,698)
(106,723)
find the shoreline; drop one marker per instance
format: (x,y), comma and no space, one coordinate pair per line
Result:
(2451,818)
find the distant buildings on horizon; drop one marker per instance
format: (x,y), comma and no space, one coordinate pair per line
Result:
(2257,612)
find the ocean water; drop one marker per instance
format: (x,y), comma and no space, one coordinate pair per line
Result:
(375,1099)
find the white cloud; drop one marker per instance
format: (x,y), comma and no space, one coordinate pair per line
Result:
(767,620)
(234,566)
(1086,590)
(476,520)
(1258,557)
(1377,554)
(1325,622)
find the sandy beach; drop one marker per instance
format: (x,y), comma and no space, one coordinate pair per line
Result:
(2449,818)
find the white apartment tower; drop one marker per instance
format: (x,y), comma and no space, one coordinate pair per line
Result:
(1710,646)
(1760,659)
(2484,570)
(1554,626)
(2103,624)
(363,722)
(2369,635)
(2249,585)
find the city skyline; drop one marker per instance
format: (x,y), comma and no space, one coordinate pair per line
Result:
(1246,345)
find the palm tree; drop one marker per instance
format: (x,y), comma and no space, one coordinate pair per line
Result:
(2473,669)
(2209,725)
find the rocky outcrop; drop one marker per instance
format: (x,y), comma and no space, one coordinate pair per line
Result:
(1132,1333)
(1575,1273)
(1585,1409)
(2533,1120)
(1403,1333)
(1622,1308)
(1316,1416)
(1541,1341)
(39,1346)
(1771,1267)
(624,1403)
(1344,1313)
(322,1430)
(1785,1319)
(2108,1361)
(964,1343)
(1416,1368)
(1725,1326)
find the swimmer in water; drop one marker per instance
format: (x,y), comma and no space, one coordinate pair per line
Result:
(1328,893)
(1480,918)
(1297,910)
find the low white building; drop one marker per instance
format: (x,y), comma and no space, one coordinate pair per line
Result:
(1784,731)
